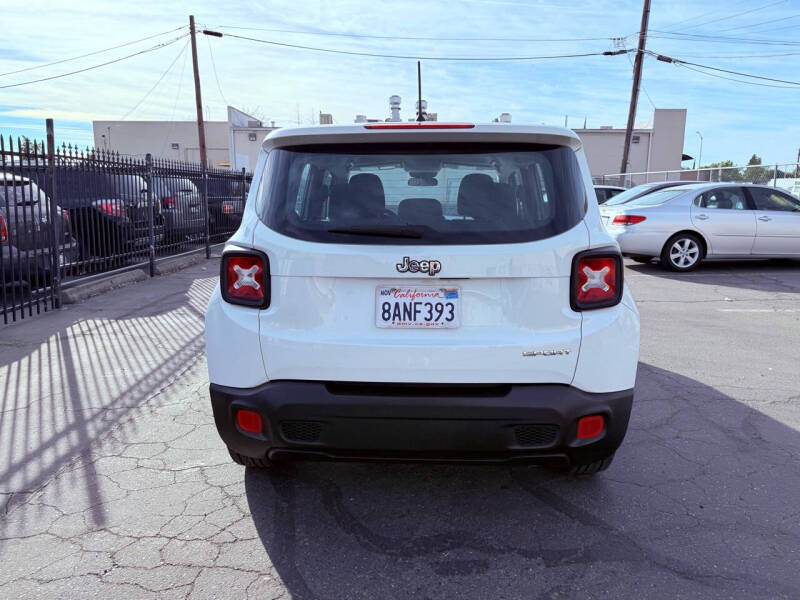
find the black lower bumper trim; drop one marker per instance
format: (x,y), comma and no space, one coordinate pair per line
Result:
(510,423)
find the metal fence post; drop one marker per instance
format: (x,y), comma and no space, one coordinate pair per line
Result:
(244,187)
(148,179)
(775,178)
(205,209)
(54,222)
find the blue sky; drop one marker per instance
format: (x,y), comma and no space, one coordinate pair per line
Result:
(281,84)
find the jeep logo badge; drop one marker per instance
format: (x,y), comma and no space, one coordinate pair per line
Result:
(431,267)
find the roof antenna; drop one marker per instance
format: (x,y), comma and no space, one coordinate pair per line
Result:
(419,89)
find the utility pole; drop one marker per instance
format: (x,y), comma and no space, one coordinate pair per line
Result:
(637,78)
(201,131)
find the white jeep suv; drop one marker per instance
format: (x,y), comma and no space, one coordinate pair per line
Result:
(422,291)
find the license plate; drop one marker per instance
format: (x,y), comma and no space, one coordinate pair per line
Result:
(417,307)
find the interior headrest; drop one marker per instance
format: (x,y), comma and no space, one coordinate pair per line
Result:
(366,191)
(420,210)
(475,195)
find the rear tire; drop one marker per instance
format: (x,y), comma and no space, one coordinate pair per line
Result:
(592,468)
(682,252)
(249,461)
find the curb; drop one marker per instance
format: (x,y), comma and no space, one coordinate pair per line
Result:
(83,291)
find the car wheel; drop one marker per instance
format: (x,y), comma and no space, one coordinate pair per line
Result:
(682,252)
(249,461)
(592,468)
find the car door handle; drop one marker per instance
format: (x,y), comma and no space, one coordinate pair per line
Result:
(765,218)
(702,217)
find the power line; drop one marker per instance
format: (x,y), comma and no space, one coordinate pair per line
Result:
(739,14)
(761,23)
(174,105)
(63,60)
(110,62)
(717,39)
(418,57)
(214,65)
(415,38)
(670,59)
(769,85)
(164,74)
(700,16)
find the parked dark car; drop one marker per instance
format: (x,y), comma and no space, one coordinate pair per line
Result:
(225,203)
(109,211)
(25,242)
(181,207)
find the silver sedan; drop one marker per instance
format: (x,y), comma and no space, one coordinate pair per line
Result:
(686,224)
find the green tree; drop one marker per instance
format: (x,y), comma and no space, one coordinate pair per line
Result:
(754,172)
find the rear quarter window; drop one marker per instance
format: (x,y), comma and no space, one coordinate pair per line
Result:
(421,193)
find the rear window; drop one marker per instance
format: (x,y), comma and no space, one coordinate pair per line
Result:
(659,197)
(422,193)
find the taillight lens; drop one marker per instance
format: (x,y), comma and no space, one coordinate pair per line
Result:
(627,220)
(227,207)
(245,278)
(169,202)
(3,230)
(110,208)
(591,426)
(596,280)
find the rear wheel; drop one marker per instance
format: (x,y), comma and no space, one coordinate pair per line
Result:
(592,468)
(682,252)
(249,461)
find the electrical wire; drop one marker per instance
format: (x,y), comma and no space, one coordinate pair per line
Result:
(417,57)
(733,16)
(414,38)
(164,74)
(696,37)
(769,85)
(664,58)
(761,23)
(174,107)
(63,60)
(703,15)
(110,62)
(214,65)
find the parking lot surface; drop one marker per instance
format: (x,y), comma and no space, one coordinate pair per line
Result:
(114,484)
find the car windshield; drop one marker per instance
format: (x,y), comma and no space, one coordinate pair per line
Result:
(658,197)
(630,194)
(422,193)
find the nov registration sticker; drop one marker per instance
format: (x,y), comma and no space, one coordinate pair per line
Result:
(417,307)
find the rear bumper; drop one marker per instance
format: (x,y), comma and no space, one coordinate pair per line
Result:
(527,423)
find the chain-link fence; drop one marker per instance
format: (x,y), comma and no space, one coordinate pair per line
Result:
(67,214)
(785,175)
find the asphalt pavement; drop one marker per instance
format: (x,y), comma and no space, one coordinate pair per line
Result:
(114,484)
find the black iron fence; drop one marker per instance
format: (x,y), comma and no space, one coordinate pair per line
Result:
(67,214)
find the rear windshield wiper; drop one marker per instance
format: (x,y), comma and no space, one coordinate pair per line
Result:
(398,232)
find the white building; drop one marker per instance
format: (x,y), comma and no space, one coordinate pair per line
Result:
(658,146)
(230,144)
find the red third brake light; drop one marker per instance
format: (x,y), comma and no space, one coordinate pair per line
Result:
(421,125)
(3,230)
(627,219)
(245,279)
(596,280)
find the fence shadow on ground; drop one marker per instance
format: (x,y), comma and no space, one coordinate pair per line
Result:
(690,508)
(94,374)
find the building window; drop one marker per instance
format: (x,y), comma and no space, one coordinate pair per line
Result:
(635,139)
(251,137)
(175,146)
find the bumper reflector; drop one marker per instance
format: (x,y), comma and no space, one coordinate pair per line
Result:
(249,421)
(591,426)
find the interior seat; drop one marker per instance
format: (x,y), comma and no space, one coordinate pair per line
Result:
(420,211)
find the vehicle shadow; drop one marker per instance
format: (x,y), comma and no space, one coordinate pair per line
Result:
(698,503)
(759,275)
